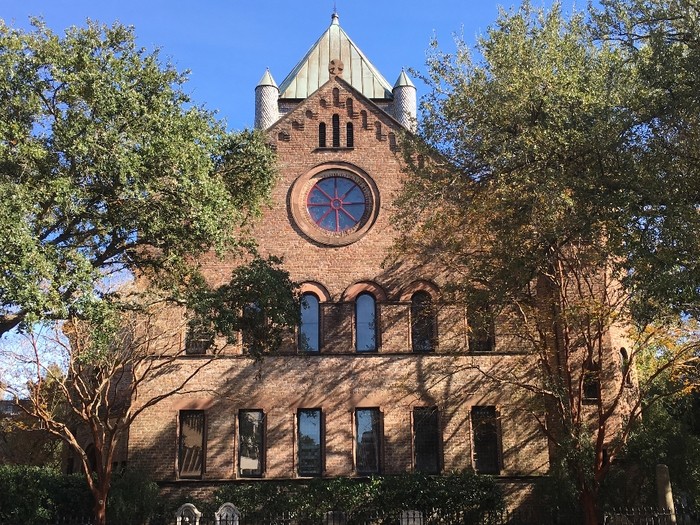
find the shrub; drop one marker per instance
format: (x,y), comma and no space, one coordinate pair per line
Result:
(133,498)
(37,495)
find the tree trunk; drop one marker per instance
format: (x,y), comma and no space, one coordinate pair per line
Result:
(589,507)
(100,509)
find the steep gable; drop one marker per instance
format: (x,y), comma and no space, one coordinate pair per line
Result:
(334,53)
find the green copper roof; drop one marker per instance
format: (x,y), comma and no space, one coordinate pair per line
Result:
(403,80)
(267,79)
(313,70)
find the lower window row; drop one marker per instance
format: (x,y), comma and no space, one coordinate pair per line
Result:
(310,440)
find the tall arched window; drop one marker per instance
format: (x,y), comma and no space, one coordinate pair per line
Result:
(349,135)
(365,323)
(309,329)
(322,135)
(336,131)
(422,322)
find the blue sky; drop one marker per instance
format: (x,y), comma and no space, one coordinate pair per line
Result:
(227,45)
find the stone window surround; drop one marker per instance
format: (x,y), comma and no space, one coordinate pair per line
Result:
(300,216)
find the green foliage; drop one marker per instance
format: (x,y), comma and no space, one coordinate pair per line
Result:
(108,170)
(35,495)
(668,434)
(563,131)
(133,498)
(453,492)
(260,302)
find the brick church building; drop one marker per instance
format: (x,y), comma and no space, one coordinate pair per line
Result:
(383,376)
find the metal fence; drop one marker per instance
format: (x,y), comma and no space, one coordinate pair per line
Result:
(406,517)
(652,516)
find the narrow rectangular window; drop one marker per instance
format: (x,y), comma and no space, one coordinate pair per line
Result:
(591,386)
(191,444)
(486,440)
(481,328)
(336,131)
(251,443)
(426,440)
(310,441)
(367,440)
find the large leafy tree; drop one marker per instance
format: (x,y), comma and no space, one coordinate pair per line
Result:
(108,170)
(537,180)
(114,187)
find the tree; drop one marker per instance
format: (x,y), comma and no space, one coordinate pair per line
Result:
(113,188)
(91,400)
(108,171)
(535,181)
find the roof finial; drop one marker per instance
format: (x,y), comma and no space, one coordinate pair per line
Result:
(334,16)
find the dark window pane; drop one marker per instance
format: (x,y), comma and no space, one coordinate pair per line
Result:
(481,329)
(336,131)
(485,427)
(591,386)
(422,322)
(251,428)
(254,329)
(322,135)
(310,321)
(365,323)
(349,135)
(309,459)
(426,440)
(191,453)
(368,440)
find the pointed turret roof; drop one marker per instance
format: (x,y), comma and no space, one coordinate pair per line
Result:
(267,80)
(313,70)
(403,80)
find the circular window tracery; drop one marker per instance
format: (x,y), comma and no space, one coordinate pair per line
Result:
(334,204)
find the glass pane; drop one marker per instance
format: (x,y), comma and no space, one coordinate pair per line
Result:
(309,459)
(422,322)
(309,329)
(365,323)
(426,440)
(367,436)
(336,204)
(250,442)
(191,443)
(485,428)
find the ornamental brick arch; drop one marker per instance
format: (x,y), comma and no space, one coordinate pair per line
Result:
(420,286)
(317,289)
(352,291)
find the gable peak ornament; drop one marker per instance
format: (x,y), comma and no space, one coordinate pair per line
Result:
(335,67)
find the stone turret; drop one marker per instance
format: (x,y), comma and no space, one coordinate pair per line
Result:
(266,96)
(405,106)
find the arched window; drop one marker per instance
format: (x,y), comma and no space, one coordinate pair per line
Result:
(349,136)
(309,330)
(336,131)
(365,323)
(322,135)
(363,114)
(422,322)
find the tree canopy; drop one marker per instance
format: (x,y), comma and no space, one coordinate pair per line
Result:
(556,173)
(108,170)
(555,132)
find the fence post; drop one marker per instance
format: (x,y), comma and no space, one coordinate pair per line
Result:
(664,491)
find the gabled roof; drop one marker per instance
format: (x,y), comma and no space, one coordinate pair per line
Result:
(312,71)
